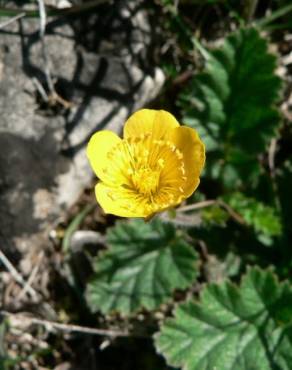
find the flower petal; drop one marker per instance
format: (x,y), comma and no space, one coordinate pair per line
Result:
(98,148)
(188,142)
(118,201)
(158,123)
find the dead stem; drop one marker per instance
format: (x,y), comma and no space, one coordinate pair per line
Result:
(207,203)
(11,20)
(17,276)
(17,319)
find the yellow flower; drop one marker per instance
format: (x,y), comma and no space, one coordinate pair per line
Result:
(155,166)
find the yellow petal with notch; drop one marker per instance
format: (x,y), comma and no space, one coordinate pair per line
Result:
(157,123)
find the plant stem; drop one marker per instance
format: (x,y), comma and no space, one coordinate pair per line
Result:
(273,16)
(249,9)
(68,328)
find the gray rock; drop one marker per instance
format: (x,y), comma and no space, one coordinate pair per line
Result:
(99,63)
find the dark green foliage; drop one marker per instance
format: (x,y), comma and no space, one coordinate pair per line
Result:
(212,281)
(231,104)
(263,219)
(145,263)
(237,328)
(215,215)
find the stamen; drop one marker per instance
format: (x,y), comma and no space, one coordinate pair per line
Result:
(179,154)
(182,169)
(161,162)
(147,168)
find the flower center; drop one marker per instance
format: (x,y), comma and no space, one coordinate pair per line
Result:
(146,180)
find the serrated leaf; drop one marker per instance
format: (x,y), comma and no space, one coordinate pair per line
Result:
(262,218)
(244,328)
(214,215)
(231,102)
(145,263)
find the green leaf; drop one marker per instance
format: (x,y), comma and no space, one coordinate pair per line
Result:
(145,263)
(230,103)
(232,328)
(214,215)
(262,218)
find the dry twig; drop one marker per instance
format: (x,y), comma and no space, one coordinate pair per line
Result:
(11,20)
(20,320)
(40,89)
(32,276)
(207,203)
(53,97)
(271,156)
(43,21)
(17,276)
(199,205)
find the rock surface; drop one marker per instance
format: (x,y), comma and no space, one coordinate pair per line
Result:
(98,63)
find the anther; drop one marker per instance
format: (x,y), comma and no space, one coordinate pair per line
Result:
(178,154)
(182,169)
(158,142)
(161,162)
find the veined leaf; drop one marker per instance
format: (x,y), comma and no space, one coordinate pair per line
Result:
(231,102)
(145,263)
(232,328)
(262,218)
